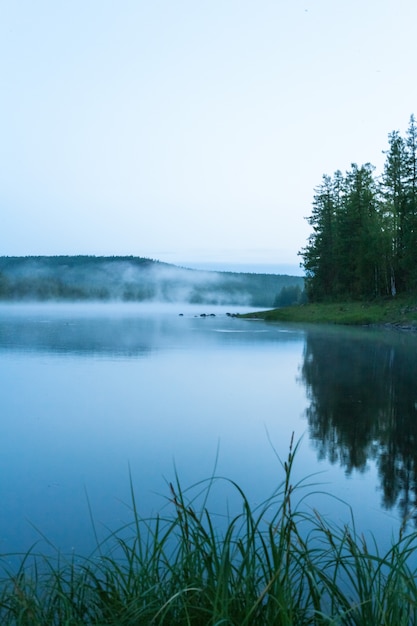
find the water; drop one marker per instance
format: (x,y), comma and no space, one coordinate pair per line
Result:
(91,393)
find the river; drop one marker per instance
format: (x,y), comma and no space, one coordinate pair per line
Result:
(92,395)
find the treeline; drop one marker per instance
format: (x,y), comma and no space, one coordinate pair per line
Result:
(78,277)
(134,279)
(364,239)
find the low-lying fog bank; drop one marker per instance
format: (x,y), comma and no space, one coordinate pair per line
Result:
(134,279)
(117,308)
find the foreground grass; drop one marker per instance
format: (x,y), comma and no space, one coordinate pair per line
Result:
(400,312)
(276,564)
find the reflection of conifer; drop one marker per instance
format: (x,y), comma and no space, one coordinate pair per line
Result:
(362,407)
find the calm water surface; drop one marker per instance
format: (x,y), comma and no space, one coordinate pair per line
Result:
(89,391)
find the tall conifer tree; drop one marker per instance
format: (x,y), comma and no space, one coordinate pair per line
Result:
(394,181)
(364,239)
(318,255)
(410,256)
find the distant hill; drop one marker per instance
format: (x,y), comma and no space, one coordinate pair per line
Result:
(129,278)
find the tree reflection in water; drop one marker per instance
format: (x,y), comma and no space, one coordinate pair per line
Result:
(363,391)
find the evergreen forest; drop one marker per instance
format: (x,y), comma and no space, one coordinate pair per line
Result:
(364,240)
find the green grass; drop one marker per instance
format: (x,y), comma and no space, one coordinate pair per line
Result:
(279,563)
(401,312)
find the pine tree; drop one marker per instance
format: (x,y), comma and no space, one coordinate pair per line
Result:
(397,185)
(318,255)
(364,239)
(360,235)
(411,166)
(410,234)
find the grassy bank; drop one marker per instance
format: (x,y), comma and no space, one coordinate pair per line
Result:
(400,312)
(279,563)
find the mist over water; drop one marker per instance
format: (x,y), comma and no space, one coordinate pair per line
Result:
(111,328)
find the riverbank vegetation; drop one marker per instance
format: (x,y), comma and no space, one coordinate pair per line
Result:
(280,562)
(399,312)
(360,261)
(364,240)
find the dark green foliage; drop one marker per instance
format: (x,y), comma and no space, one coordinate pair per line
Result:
(319,261)
(132,279)
(364,239)
(4,286)
(293,294)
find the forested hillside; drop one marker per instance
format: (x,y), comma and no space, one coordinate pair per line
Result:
(135,279)
(364,239)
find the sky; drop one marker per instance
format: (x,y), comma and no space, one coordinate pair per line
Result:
(191,131)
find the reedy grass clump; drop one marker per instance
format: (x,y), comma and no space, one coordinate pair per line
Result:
(279,563)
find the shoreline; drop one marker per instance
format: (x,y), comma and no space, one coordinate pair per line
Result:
(397,314)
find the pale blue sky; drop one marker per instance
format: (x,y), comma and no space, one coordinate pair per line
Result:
(191,130)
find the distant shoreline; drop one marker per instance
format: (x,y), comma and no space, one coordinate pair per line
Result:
(135,279)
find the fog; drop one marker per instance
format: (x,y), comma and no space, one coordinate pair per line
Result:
(111,328)
(130,279)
